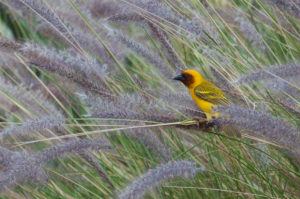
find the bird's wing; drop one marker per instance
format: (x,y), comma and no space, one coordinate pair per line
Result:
(209,92)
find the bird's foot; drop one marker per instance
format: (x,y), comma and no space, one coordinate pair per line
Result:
(204,123)
(201,121)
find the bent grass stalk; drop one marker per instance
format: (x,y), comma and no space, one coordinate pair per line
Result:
(109,130)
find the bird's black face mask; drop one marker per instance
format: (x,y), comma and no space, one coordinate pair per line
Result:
(186,78)
(180,78)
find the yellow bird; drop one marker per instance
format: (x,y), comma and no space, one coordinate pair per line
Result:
(204,93)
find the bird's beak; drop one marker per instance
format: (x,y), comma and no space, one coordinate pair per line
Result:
(179,78)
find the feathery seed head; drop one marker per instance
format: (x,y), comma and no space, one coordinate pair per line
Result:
(8,45)
(272,72)
(23,166)
(261,124)
(47,122)
(154,177)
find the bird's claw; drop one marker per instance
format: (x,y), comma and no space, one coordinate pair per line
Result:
(200,120)
(204,123)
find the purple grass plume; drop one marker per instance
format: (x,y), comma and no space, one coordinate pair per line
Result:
(29,127)
(291,6)
(85,71)
(5,156)
(132,107)
(7,45)
(24,166)
(154,10)
(154,177)
(262,125)
(41,106)
(47,15)
(282,71)
(86,40)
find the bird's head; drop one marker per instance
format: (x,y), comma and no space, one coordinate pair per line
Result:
(190,78)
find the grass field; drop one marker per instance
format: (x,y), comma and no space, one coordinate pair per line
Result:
(88,107)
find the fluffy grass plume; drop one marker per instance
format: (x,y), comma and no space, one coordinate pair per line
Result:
(262,125)
(158,175)
(29,167)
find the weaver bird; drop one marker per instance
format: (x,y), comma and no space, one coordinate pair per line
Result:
(204,93)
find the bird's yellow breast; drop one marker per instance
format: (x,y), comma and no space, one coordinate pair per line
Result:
(203,105)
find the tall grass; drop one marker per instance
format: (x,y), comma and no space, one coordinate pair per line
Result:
(88,107)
